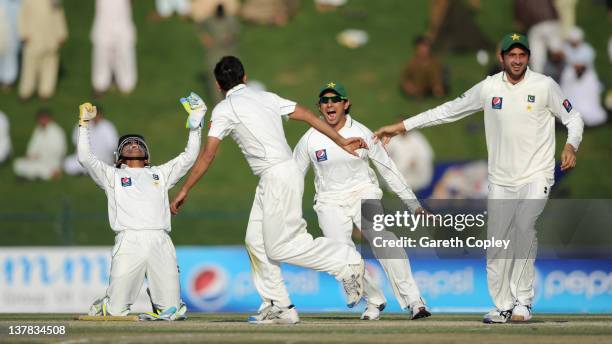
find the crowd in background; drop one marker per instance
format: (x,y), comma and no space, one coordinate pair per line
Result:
(35,30)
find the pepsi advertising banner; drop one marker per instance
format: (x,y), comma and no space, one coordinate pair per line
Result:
(218,279)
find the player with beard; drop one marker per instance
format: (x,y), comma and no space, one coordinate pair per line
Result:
(520,107)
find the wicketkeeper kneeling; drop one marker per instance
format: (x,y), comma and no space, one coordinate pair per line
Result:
(139,213)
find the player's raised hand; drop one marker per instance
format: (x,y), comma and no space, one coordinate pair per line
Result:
(178,201)
(568,157)
(87,112)
(352,144)
(196,108)
(387,132)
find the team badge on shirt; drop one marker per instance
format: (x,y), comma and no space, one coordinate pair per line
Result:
(321,155)
(496,102)
(155,176)
(567,105)
(126,181)
(531,98)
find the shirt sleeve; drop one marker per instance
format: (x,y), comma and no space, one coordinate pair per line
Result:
(300,153)
(220,124)
(454,110)
(389,172)
(562,108)
(101,173)
(285,106)
(176,168)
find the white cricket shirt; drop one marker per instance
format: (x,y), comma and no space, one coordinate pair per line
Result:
(138,197)
(253,119)
(338,173)
(519,124)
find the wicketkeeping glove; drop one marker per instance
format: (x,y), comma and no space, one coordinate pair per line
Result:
(87,112)
(196,108)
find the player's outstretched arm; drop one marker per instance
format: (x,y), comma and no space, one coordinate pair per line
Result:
(205,159)
(176,168)
(468,103)
(101,173)
(350,144)
(388,131)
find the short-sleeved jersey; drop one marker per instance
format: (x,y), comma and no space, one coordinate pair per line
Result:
(254,120)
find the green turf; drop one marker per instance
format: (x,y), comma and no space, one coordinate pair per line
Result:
(337,328)
(292,61)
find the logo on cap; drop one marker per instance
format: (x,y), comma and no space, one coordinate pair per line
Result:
(516,37)
(321,155)
(331,85)
(496,102)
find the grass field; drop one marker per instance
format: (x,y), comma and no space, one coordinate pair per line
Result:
(328,328)
(292,61)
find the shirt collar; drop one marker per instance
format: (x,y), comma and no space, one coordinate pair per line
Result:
(527,74)
(349,121)
(234,89)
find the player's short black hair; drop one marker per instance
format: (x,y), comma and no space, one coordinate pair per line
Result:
(229,72)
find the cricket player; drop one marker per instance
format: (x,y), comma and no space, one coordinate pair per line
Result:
(520,107)
(139,213)
(276,231)
(342,180)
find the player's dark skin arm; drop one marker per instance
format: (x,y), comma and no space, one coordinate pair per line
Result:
(349,144)
(205,159)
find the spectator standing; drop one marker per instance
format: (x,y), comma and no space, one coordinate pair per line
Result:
(43,30)
(9,42)
(219,35)
(114,47)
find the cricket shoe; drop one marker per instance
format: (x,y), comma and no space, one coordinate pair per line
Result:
(419,310)
(170,314)
(353,284)
(496,316)
(521,313)
(274,314)
(372,311)
(99,307)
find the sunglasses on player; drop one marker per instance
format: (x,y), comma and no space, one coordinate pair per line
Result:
(334,99)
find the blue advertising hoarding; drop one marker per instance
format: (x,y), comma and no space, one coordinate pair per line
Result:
(217,279)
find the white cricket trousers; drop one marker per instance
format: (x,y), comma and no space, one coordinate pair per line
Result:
(277,233)
(114,58)
(138,254)
(336,220)
(512,214)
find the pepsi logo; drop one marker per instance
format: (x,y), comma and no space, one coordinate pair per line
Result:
(496,102)
(208,287)
(321,155)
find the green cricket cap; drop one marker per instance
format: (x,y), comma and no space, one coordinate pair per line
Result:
(512,39)
(335,87)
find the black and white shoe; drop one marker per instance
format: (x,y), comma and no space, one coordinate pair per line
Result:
(274,314)
(372,311)
(496,316)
